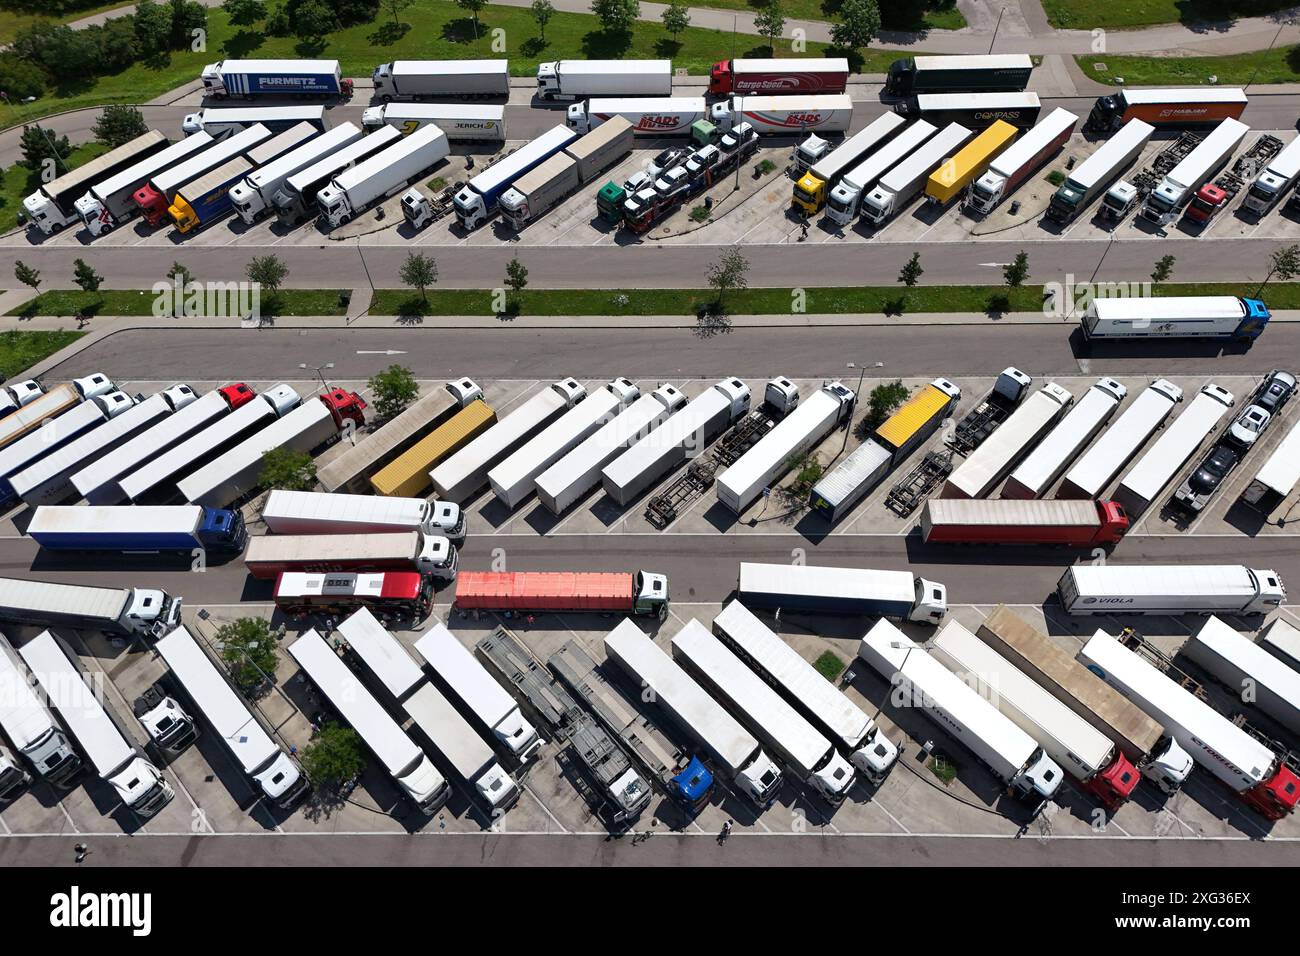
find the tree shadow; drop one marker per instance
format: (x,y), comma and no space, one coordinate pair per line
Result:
(711,320)
(310,47)
(460,30)
(389,33)
(998,305)
(533,46)
(667,48)
(606,44)
(853,56)
(243,43)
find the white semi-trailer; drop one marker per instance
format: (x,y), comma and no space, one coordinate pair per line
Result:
(1283,642)
(1010,753)
(396,752)
(222,121)
(462,122)
(1092,474)
(844,201)
(110,201)
(1169,589)
(1094,175)
(799,683)
(423,79)
(270,555)
(108,748)
(53,205)
(1248,670)
(1014,165)
(1180,183)
(1274,482)
(736,752)
(801,587)
(581,79)
(233,722)
(480,198)
(295,201)
(669,116)
(1076,430)
(900,185)
(254,196)
(988,464)
(359,187)
(31,727)
(312,512)
(786,115)
(147,611)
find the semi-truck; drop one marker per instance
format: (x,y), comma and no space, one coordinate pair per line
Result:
(1214,196)
(1095,174)
(1020,160)
(410,473)
(310,512)
(1082,751)
(18,395)
(466,471)
(1162,106)
(54,205)
(462,122)
(269,555)
(581,79)
(22,421)
(959,171)
(1037,473)
(156,481)
(396,753)
(1092,474)
(1275,481)
(1249,768)
(1252,674)
(813,186)
(1175,317)
(464,675)
(395,595)
(1177,188)
(842,203)
(99,733)
(682,436)
(901,184)
(1155,754)
(356,189)
(295,201)
(988,464)
(570,478)
(110,202)
(667,116)
(479,199)
(538,191)
(141,528)
(275,774)
(1144,482)
(423,79)
(97,482)
(734,751)
(837,491)
(249,79)
(973,110)
(238,471)
(823,590)
(119,611)
(639,593)
(800,685)
(31,727)
(221,122)
(797,433)
(784,77)
(351,470)
(959,74)
(1282,641)
(254,196)
(156,195)
(514,478)
(806,753)
(1169,589)
(1012,755)
(1274,181)
(1072,524)
(785,115)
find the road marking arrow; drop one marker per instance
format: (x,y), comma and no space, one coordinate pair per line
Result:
(379,352)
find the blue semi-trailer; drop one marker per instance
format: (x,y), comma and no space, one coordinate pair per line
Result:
(249,78)
(143,528)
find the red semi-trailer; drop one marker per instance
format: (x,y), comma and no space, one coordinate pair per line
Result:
(635,592)
(779,77)
(1069,523)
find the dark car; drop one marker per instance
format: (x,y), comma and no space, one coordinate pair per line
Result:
(1277,388)
(1197,490)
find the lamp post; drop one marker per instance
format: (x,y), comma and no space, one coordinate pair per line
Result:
(318,369)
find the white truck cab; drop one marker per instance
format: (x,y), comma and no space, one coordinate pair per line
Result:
(1041,777)
(651,594)
(152,611)
(447,518)
(438,557)
(808,153)
(93,385)
(12,776)
(782,395)
(876,757)
(1169,768)
(1119,200)
(170,728)
(19,395)
(931,602)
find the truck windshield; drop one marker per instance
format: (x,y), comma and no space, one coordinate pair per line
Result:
(838,203)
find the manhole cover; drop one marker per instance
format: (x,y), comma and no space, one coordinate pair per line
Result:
(1101,67)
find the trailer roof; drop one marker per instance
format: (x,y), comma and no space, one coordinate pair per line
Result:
(544,173)
(1195,94)
(508,168)
(141,171)
(355,704)
(996,61)
(1164,308)
(598,67)
(22,714)
(1130,136)
(1218,141)
(324,507)
(782,441)
(58,399)
(806,581)
(113,519)
(81,599)
(33,446)
(1010,440)
(755,103)
(1165,580)
(381,652)
(1060,512)
(309,151)
(881,160)
(856,146)
(278,66)
(614,106)
(899,427)
(449,732)
(1092,472)
(1286,164)
(432,112)
(174,177)
(227,172)
(829,64)
(445,67)
(1283,640)
(1282,470)
(845,478)
(465,675)
(1034,141)
(86,174)
(221,115)
(927,156)
(388,584)
(281,143)
(600,137)
(974,154)
(670,434)
(323,548)
(1253,660)
(1171,450)
(1068,437)
(389,155)
(327,167)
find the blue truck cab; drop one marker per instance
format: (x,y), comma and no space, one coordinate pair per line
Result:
(1255,318)
(692,786)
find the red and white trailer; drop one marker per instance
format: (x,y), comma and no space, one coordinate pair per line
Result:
(389,593)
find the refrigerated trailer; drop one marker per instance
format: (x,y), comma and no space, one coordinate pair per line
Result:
(51,404)
(514,479)
(1169,589)
(1253,675)
(1283,642)
(311,512)
(822,174)
(1092,474)
(295,201)
(666,116)
(957,172)
(681,436)
(1144,482)
(580,79)
(246,79)
(139,528)
(784,77)
(1253,771)
(1163,106)
(160,190)
(357,188)
(804,750)
(231,720)
(422,79)
(1175,317)
(1020,160)
(734,750)
(1077,429)
(270,555)
(351,470)
(901,184)
(254,196)
(800,587)
(1142,740)
(223,121)
(816,113)
(392,748)
(30,725)
(772,456)
(988,464)
(1095,174)
(1274,482)
(975,110)
(1164,203)
(54,205)
(843,202)
(1010,753)
(479,199)
(110,201)
(466,471)
(148,611)
(462,122)
(958,74)
(1073,524)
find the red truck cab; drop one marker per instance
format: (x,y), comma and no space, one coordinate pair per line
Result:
(720,78)
(1114,522)
(1276,797)
(1115,784)
(345,406)
(236,394)
(152,203)
(1208,200)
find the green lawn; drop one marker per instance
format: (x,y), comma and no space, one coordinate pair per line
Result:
(12,20)
(1089,14)
(898,15)
(22,350)
(1280,65)
(65,302)
(18,182)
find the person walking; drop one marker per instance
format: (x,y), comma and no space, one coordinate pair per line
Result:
(725,832)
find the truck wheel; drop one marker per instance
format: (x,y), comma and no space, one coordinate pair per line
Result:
(343,219)
(386,98)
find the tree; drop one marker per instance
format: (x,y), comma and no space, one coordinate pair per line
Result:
(1283,263)
(395,8)
(313,20)
(616,16)
(1163,270)
(858,24)
(20,78)
(677,17)
(542,11)
(84,275)
(244,13)
(516,276)
(1017,271)
(284,469)
(268,272)
(394,389)
(730,273)
(333,757)
(118,125)
(186,17)
(39,145)
(420,271)
(882,401)
(27,275)
(473,6)
(182,272)
(248,649)
(118,47)
(770,23)
(153,27)
(912,271)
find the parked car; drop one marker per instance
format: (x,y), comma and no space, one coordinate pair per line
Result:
(1276,391)
(667,159)
(1249,425)
(1201,485)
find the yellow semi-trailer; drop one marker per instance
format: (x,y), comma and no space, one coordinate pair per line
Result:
(960,171)
(408,475)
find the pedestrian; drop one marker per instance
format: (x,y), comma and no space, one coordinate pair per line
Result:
(803,229)
(725,832)
(81,851)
